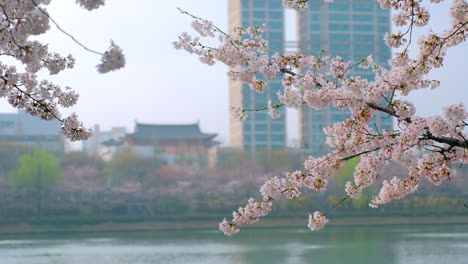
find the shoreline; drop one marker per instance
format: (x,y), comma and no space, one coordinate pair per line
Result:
(148,226)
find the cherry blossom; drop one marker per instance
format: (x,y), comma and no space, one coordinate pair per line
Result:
(273,110)
(317,221)
(426,146)
(21,22)
(113,59)
(90,4)
(228,228)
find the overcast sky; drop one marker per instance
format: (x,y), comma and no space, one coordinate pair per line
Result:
(162,85)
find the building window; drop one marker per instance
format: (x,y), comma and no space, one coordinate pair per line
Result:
(360,7)
(261,127)
(363,27)
(276,15)
(277,128)
(277,138)
(259,4)
(260,138)
(275,4)
(338,17)
(261,117)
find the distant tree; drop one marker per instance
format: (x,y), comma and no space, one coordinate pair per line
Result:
(127,165)
(80,159)
(233,158)
(272,161)
(9,154)
(38,171)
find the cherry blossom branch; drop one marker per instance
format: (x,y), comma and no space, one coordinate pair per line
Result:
(65,32)
(9,24)
(336,205)
(359,154)
(325,83)
(46,109)
(23,21)
(445,140)
(449,141)
(201,19)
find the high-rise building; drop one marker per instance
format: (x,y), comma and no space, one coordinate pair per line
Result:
(352,29)
(258,132)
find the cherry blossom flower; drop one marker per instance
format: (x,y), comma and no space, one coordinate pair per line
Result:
(113,59)
(317,221)
(90,4)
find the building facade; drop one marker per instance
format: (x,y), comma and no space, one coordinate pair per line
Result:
(24,129)
(183,145)
(258,132)
(352,29)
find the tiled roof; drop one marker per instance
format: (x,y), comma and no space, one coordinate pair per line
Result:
(170,132)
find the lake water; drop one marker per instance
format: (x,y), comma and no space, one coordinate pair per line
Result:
(360,244)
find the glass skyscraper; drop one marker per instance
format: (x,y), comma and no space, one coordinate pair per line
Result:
(352,29)
(258,132)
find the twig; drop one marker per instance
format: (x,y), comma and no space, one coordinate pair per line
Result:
(336,205)
(63,31)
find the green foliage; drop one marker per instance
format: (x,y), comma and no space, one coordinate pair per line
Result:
(39,169)
(9,154)
(346,174)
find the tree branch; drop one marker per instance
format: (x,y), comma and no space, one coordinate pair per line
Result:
(63,31)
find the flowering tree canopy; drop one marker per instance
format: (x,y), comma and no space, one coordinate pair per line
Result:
(20,22)
(426,146)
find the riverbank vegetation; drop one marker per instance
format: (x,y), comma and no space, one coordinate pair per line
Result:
(129,189)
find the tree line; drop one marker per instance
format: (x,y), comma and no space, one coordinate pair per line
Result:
(36,185)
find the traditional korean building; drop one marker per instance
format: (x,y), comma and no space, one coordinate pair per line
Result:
(183,144)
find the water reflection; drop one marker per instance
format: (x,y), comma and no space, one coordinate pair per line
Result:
(351,245)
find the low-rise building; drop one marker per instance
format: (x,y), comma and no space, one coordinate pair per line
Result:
(22,128)
(104,143)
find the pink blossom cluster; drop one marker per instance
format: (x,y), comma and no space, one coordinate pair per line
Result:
(238,113)
(90,4)
(20,22)
(298,5)
(113,59)
(249,214)
(273,110)
(427,146)
(317,221)
(272,190)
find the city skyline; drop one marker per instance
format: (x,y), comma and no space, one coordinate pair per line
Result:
(163,85)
